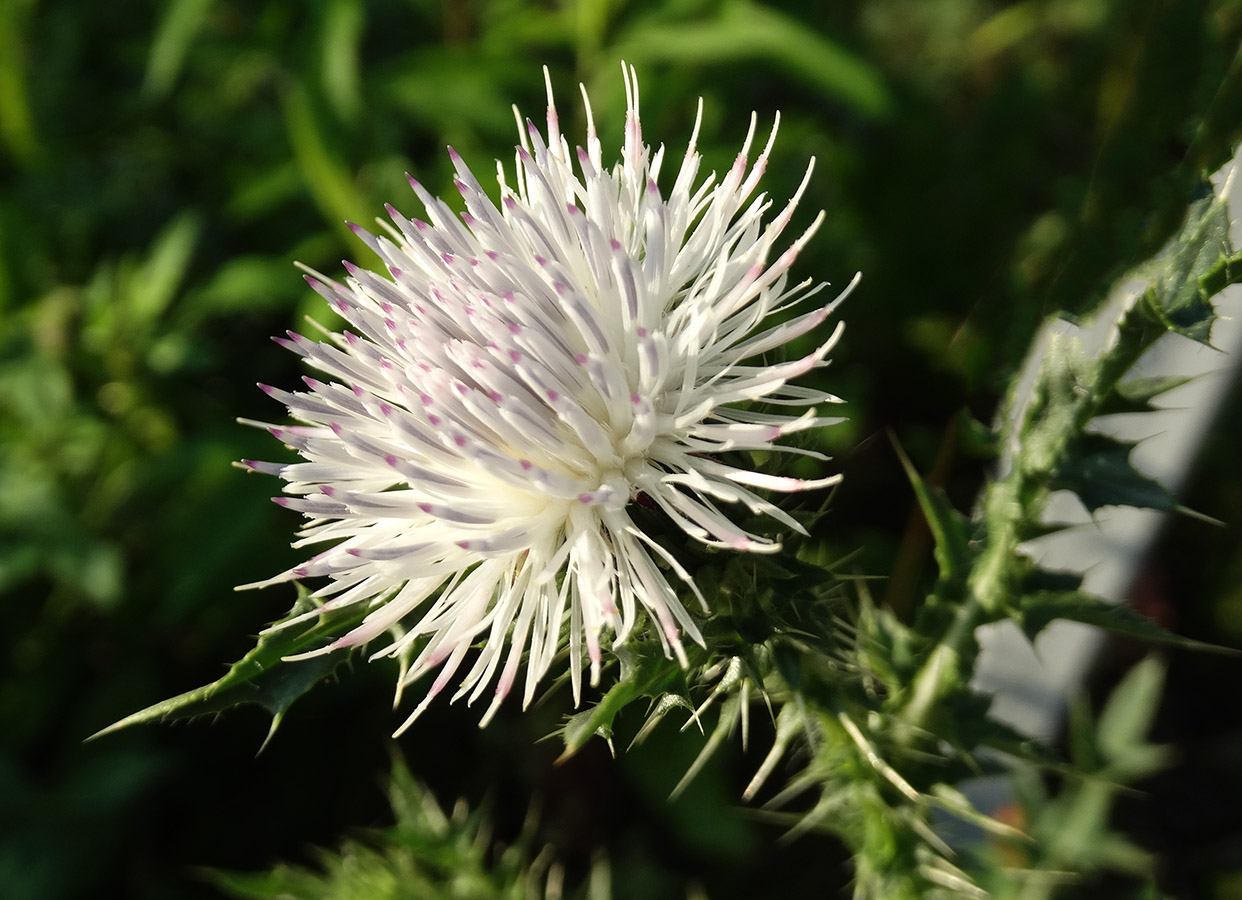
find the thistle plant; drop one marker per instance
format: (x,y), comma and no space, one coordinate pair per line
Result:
(547,444)
(426,854)
(519,383)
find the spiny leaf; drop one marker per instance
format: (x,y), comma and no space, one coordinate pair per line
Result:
(1038,580)
(948,526)
(1038,610)
(1221,274)
(1097,468)
(1030,529)
(729,716)
(1135,395)
(994,734)
(1197,262)
(662,707)
(425,854)
(645,672)
(598,719)
(261,676)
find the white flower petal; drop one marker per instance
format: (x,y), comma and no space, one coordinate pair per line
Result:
(515,376)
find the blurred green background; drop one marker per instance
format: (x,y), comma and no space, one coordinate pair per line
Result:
(162,166)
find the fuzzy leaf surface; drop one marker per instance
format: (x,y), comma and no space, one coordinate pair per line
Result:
(1196,264)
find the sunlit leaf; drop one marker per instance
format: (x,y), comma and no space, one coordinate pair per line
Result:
(743,30)
(179,26)
(325,176)
(17,127)
(452,89)
(343,22)
(246,284)
(157,281)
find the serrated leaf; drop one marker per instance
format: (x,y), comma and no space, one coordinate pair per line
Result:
(1097,468)
(645,672)
(1038,610)
(1039,580)
(1001,736)
(1221,274)
(1135,395)
(262,677)
(1030,530)
(1197,263)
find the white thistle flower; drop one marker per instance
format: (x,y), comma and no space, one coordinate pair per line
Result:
(517,378)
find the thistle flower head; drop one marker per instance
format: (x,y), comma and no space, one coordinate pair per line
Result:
(517,377)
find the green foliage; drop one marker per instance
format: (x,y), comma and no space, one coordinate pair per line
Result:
(1097,468)
(1198,263)
(1054,450)
(948,527)
(774,629)
(897,725)
(263,676)
(888,746)
(644,673)
(424,855)
(66,450)
(1040,609)
(745,32)
(983,162)
(1067,835)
